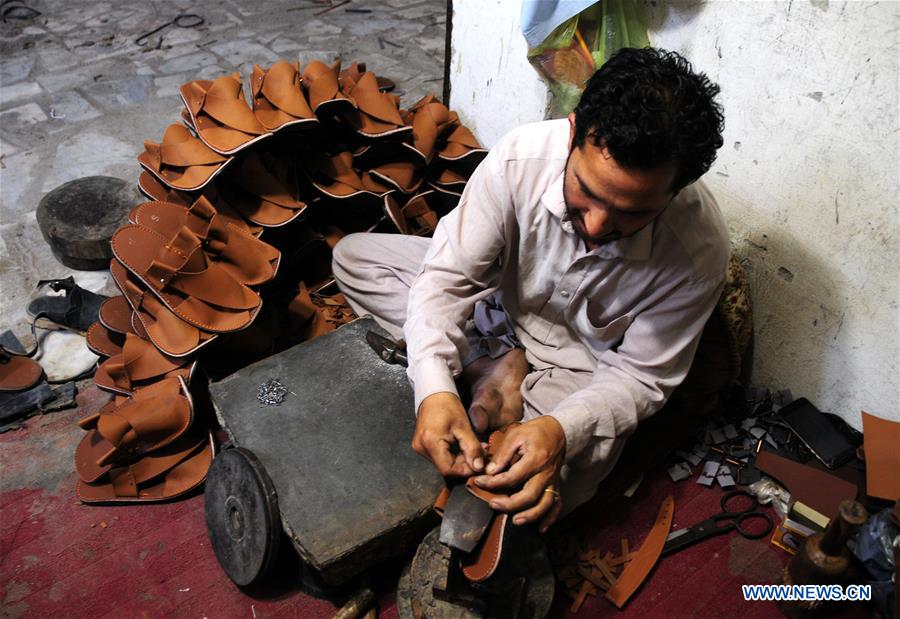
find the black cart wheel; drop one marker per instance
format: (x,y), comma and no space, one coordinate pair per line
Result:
(242,516)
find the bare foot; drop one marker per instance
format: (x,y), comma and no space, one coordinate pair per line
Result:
(496,395)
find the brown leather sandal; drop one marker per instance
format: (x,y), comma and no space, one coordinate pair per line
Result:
(139,365)
(420,215)
(323,89)
(149,420)
(377,114)
(182,161)
(336,178)
(267,191)
(18,372)
(158,192)
(243,256)
(169,333)
(462,144)
(431,121)
(278,99)
(155,190)
(104,342)
(115,315)
(220,114)
(163,474)
(179,273)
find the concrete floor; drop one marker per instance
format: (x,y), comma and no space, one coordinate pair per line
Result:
(78,96)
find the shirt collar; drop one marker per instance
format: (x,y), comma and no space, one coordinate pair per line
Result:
(636,247)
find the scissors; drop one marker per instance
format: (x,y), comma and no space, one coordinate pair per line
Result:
(722,523)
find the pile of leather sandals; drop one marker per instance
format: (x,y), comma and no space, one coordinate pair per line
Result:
(230,260)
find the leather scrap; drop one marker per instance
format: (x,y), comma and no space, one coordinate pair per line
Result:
(880,440)
(818,489)
(643,559)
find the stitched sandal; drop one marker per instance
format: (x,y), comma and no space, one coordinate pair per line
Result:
(75,311)
(336,178)
(179,273)
(462,144)
(158,192)
(153,418)
(155,190)
(18,373)
(104,342)
(243,256)
(420,215)
(115,315)
(266,191)
(431,121)
(278,99)
(323,90)
(166,473)
(170,334)
(182,161)
(220,114)
(377,114)
(140,364)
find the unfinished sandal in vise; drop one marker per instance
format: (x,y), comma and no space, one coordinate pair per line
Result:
(169,333)
(178,272)
(182,161)
(243,256)
(278,99)
(220,114)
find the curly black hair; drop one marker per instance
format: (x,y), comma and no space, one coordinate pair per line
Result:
(648,107)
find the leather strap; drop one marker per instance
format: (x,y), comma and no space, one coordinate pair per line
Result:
(643,559)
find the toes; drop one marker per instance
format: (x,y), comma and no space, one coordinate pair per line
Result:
(478,417)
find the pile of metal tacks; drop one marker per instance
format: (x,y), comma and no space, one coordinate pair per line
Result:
(584,571)
(727,449)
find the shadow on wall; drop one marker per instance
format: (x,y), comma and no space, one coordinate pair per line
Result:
(654,13)
(793,328)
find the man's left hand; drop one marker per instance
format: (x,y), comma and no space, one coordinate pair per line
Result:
(532,454)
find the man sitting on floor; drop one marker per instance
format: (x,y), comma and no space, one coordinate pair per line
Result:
(568,289)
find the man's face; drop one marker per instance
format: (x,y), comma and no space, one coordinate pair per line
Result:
(605,201)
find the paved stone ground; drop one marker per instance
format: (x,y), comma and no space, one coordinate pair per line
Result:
(78,96)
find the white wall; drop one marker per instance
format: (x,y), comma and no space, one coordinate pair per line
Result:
(807,179)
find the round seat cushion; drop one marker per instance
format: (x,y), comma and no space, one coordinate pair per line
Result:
(78,218)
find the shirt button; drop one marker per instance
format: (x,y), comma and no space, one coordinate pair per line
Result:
(564,293)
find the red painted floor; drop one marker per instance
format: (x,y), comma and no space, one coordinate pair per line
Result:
(60,558)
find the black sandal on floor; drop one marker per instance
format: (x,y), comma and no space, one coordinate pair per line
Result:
(77,310)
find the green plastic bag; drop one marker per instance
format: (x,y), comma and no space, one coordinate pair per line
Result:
(576,48)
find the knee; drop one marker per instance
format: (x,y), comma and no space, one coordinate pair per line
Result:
(345,256)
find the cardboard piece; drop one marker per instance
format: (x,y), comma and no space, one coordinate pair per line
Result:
(881,442)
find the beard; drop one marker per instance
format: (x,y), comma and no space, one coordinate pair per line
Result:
(577,218)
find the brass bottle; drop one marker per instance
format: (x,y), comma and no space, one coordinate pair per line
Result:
(824,558)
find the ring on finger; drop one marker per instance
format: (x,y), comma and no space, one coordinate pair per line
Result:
(552,491)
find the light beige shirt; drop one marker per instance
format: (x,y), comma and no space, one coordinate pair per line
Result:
(630,312)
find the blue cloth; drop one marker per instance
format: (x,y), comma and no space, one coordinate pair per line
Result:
(540,17)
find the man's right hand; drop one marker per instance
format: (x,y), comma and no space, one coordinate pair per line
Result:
(445,436)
